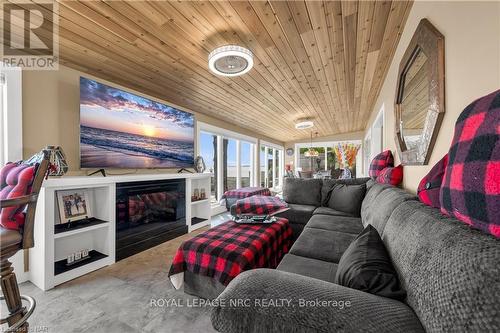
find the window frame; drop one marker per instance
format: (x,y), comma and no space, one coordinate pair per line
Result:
(222,134)
(277,172)
(11,122)
(329,144)
(376,135)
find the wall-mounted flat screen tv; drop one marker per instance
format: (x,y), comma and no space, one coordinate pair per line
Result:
(122,130)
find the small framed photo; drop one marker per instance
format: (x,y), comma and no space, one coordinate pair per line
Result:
(74,205)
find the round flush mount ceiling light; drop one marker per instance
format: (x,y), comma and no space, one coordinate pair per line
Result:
(230,60)
(304,124)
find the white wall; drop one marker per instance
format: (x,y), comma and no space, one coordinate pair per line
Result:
(472,68)
(51,111)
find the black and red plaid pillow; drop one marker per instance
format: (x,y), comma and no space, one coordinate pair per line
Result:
(15,181)
(430,186)
(260,205)
(380,162)
(471,186)
(391,175)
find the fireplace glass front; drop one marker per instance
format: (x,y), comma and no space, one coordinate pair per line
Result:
(148,213)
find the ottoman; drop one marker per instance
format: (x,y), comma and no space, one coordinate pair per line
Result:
(206,263)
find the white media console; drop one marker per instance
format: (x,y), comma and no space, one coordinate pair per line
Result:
(47,258)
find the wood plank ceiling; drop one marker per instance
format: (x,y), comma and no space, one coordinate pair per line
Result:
(321,60)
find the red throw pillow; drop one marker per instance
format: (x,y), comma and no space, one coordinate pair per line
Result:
(430,186)
(16,180)
(380,162)
(471,185)
(391,175)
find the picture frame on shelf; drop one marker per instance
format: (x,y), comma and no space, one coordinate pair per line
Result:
(74,205)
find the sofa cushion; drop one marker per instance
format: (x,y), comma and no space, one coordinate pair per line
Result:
(471,184)
(302,191)
(298,213)
(391,175)
(383,206)
(350,225)
(318,269)
(329,183)
(366,266)
(380,162)
(430,186)
(449,271)
(347,198)
(329,211)
(321,244)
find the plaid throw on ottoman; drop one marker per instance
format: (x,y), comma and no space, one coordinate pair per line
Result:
(471,185)
(245,192)
(230,197)
(260,205)
(227,250)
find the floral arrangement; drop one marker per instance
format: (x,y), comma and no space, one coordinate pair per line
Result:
(346,153)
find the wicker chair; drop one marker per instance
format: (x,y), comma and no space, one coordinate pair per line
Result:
(12,241)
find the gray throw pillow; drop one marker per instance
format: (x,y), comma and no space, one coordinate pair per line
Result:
(366,266)
(346,198)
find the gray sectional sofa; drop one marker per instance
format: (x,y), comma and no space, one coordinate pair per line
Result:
(307,198)
(451,273)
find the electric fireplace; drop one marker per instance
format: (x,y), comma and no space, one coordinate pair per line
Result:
(149,213)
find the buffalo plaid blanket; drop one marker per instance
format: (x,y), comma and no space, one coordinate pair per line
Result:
(260,205)
(230,197)
(227,250)
(245,192)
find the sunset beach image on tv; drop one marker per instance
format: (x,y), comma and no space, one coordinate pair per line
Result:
(122,130)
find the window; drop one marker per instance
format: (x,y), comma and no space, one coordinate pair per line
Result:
(229,158)
(11,130)
(208,150)
(374,140)
(328,156)
(271,166)
(276,167)
(2,121)
(229,164)
(331,159)
(246,158)
(263,167)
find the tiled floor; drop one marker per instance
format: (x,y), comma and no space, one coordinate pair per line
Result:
(118,298)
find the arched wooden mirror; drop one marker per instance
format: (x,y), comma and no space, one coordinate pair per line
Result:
(419,105)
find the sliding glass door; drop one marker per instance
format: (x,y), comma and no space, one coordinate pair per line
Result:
(229,157)
(246,163)
(230,164)
(271,167)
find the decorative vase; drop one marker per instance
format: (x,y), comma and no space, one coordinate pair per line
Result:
(199,164)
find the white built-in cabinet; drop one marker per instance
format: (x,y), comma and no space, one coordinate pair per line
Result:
(47,258)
